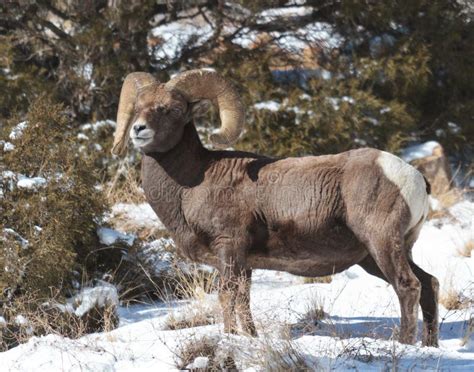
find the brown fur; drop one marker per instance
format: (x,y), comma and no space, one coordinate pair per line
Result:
(310,216)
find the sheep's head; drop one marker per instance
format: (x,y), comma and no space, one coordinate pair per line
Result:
(154,114)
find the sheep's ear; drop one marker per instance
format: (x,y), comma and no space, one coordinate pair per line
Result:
(200,108)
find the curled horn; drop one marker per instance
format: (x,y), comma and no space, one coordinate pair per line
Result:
(130,88)
(208,84)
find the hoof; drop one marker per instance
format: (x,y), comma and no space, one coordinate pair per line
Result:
(407,340)
(430,343)
(430,339)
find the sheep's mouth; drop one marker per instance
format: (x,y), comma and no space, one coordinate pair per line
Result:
(141,141)
(143,137)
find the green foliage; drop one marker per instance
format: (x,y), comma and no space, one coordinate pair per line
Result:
(19,83)
(101,43)
(412,87)
(337,117)
(429,67)
(421,70)
(58,219)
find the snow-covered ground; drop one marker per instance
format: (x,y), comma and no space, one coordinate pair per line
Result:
(356,334)
(140,215)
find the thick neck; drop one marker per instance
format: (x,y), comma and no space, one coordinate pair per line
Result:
(186,162)
(166,175)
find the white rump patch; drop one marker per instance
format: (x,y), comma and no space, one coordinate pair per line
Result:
(410,182)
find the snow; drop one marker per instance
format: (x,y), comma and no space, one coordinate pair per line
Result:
(246,38)
(316,33)
(17,131)
(267,105)
(7,146)
(194,31)
(140,215)
(23,242)
(273,14)
(335,102)
(94,127)
(463,212)
(199,362)
(31,183)
(156,256)
(356,335)
(85,71)
(12,179)
(21,320)
(275,106)
(180,34)
(453,127)
(99,296)
(419,151)
(109,236)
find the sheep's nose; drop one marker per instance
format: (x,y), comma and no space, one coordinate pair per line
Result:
(138,128)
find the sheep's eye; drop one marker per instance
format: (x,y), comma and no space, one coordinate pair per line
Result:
(176,111)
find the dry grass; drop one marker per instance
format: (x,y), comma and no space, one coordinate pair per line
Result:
(125,186)
(192,317)
(318,279)
(446,200)
(314,308)
(275,355)
(28,316)
(192,281)
(308,322)
(451,197)
(358,350)
(203,354)
(367,351)
(265,353)
(453,300)
(437,214)
(467,249)
(194,285)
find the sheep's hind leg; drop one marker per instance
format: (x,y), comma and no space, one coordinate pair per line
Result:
(428,298)
(429,305)
(391,258)
(243,304)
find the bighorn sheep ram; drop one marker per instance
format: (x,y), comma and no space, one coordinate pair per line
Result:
(238,211)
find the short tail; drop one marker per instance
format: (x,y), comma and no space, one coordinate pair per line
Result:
(428,186)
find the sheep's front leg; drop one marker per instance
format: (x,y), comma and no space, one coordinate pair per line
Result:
(227,298)
(231,264)
(243,304)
